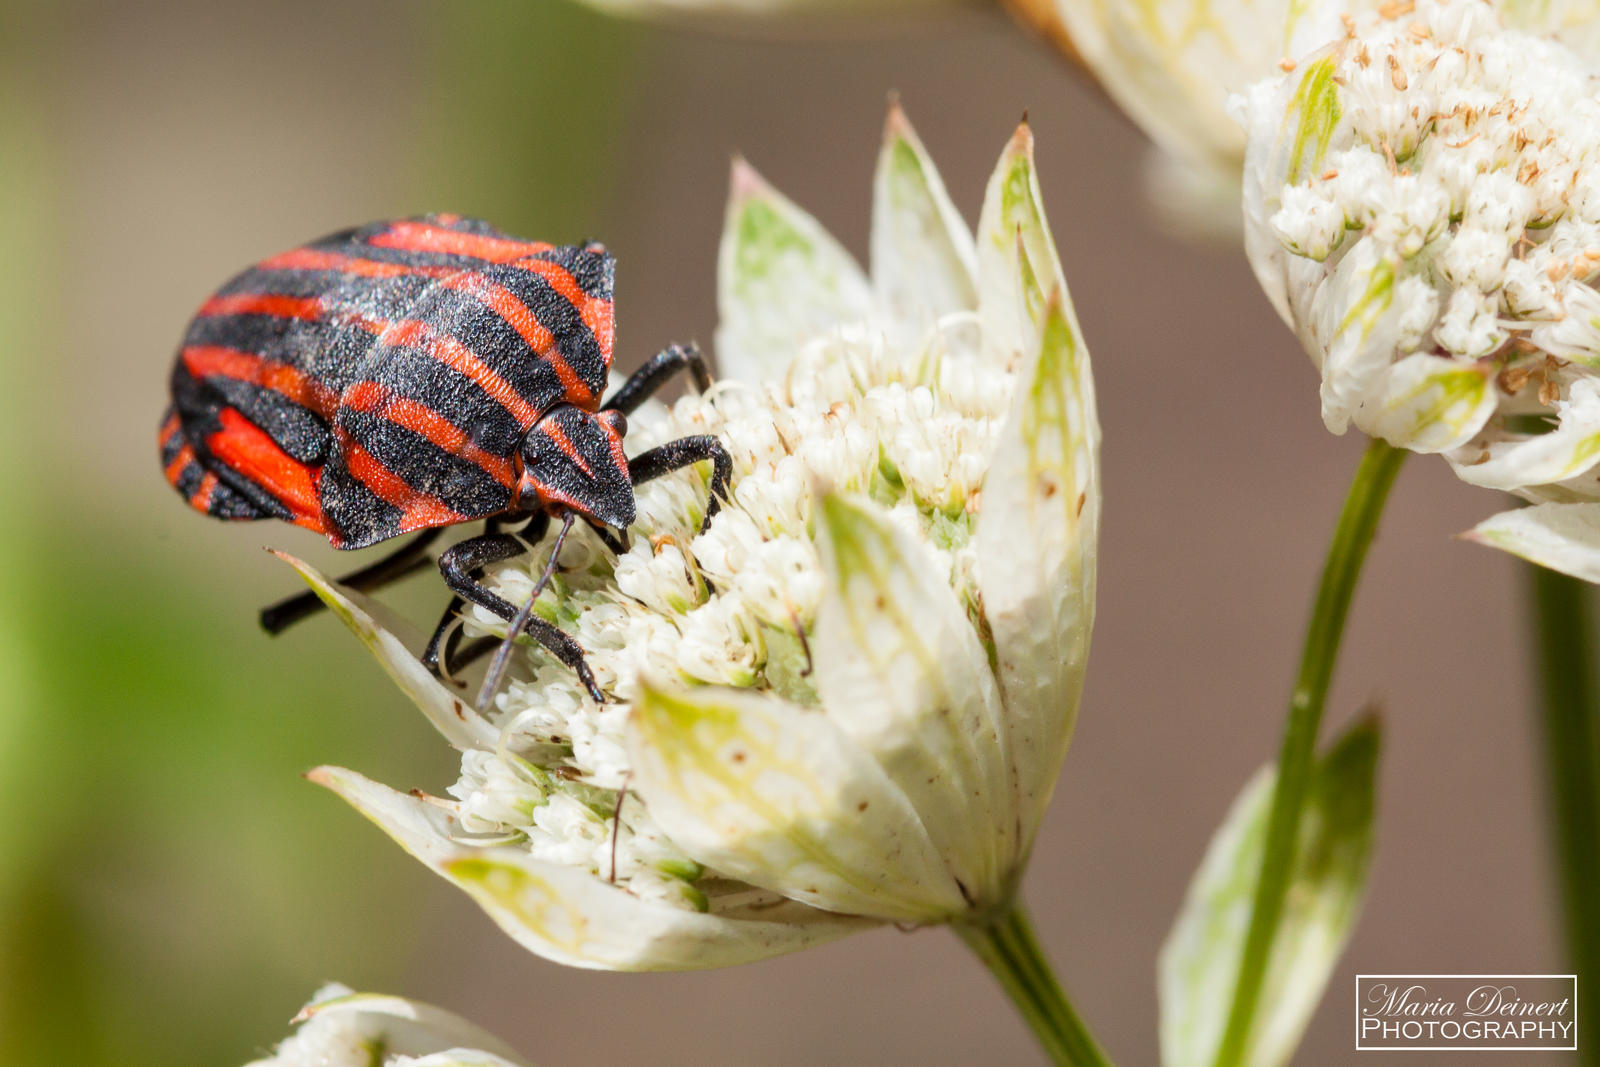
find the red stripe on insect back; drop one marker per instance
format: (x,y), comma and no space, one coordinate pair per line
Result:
(205,361)
(460,358)
(429,424)
(168,428)
(274,304)
(316,259)
(563,442)
(418,510)
(595,312)
(200,499)
(174,470)
(423,237)
(248,449)
(521,318)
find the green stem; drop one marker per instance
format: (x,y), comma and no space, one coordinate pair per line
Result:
(1358,522)
(1006,944)
(1564,647)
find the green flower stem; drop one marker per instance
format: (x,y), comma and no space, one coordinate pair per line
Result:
(1358,522)
(1006,944)
(1564,649)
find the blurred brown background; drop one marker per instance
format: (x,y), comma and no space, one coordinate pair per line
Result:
(170,890)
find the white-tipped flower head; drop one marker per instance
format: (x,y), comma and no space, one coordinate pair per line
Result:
(1173,64)
(344,1029)
(1422,205)
(847,701)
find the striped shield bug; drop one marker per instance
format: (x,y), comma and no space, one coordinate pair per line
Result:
(410,375)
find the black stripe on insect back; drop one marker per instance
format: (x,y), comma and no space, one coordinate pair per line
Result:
(424,466)
(576,343)
(330,352)
(590,266)
(341,290)
(412,372)
(199,406)
(226,502)
(472,322)
(354,512)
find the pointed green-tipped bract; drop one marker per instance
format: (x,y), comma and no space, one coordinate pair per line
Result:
(902,672)
(924,262)
(782,279)
(1038,537)
(1200,960)
(1017,263)
(1563,537)
(779,796)
(574,916)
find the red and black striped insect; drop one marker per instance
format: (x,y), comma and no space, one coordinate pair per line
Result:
(410,375)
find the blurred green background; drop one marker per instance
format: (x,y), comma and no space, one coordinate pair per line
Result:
(171,890)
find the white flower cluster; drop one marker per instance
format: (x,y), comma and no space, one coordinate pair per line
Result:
(910,427)
(845,701)
(1422,204)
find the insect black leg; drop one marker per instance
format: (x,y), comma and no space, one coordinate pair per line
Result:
(683,452)
(645,382)
(409,557)
(445,654)
(502,656)
(458,565)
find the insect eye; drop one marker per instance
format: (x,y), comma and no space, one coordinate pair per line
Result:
(618,422)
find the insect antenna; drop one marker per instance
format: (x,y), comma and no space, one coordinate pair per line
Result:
(616,824)
(502,655)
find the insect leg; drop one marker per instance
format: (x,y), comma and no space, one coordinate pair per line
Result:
(645,382)
(445,654)
(502,656)
(461,560)
(275,618)
(683,452)
(445,646)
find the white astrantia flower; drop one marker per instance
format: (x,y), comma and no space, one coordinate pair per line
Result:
(846,702)
(1172,66)
(340,1028)
(1422,204)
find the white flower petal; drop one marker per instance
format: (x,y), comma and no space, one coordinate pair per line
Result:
(924,262)
(901,671)
(1354,323)
(1017,262)
(1199,963)
(1430,404)
(452,716)
(1563,537)
(1519,461)
(572,917)
(779,796)
(781,280)
(1037,540)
